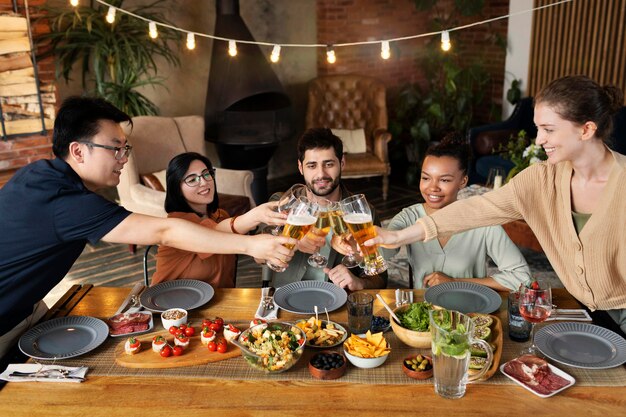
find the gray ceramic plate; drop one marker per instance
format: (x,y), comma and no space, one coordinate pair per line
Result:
(64,337)
(181,293)
(301,297)
(464,297)
(581,345)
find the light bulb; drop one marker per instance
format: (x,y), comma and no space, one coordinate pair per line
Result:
(191,41)
(232,48)
(74,2)
(330,55)
(445,41)
(385,52)
(152,30)
(111,15)
(275,53)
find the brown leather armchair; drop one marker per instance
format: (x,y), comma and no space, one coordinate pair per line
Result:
(354,102)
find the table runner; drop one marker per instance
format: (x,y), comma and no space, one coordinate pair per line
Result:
(101,362)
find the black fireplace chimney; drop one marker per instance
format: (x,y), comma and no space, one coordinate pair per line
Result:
(247,111)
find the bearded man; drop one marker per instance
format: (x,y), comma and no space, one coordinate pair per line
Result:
(320,161)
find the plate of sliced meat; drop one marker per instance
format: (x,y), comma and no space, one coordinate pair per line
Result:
(126,324)
(537,375)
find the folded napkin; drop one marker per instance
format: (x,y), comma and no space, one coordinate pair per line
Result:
(43,373)
(269,314)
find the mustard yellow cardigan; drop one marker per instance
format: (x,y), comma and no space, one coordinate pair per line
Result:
(592,265)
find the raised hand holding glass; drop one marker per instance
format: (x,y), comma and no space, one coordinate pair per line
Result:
(320,229)
(358,217)
(286,200)
(340,229)
(302,216)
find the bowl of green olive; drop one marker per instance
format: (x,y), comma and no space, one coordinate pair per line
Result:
(418,366)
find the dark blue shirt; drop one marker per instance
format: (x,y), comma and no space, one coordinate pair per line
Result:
(46,218)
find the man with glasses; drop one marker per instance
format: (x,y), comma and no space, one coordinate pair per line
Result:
(49,211)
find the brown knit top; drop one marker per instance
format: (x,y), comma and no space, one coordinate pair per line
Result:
(216,269)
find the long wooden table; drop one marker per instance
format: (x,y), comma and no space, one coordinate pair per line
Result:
(142,396)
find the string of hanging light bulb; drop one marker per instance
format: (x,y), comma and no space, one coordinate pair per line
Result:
(331,57)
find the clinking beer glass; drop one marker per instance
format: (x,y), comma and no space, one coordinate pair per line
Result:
(302,216)
(358,217)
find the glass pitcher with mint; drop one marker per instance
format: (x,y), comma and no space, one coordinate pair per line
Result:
(452,337)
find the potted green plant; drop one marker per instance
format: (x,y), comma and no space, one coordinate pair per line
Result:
(454,88)
(114,59)
(522,152)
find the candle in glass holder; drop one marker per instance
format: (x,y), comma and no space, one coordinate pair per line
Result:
(497,182)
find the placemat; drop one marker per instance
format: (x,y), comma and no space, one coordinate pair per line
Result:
(101,362)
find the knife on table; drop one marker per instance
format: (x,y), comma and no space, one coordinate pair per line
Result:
(136,292)
(266,293)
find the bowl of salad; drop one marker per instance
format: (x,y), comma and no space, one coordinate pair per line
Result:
(272,347)
(414,327)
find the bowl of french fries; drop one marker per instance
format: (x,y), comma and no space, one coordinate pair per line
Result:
(366,351)
(322,333)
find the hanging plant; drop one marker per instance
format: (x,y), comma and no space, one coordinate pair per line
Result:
(114,59)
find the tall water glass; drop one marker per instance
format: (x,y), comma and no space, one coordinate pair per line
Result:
(340,229)
(360,312)
(302,216)
(358,217)
(452,337)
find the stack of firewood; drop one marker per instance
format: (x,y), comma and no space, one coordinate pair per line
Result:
(20,102)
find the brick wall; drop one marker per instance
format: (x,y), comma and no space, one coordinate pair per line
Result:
(352,20)
(19,151)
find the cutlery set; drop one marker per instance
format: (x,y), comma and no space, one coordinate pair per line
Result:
(267,308)
(569,315)
(52,373)
(132,304)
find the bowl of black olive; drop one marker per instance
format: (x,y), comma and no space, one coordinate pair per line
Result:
(327,364)
(380,324)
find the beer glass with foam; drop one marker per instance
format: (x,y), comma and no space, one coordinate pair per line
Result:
(320,229)
(302,216)
(340,229)
(358,217)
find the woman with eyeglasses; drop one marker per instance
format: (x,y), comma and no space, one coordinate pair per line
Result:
(192,195)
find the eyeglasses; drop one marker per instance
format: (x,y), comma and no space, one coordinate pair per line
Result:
(193,180)
(120,152)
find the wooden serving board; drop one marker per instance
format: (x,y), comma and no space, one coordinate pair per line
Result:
(496,339)
(195,354)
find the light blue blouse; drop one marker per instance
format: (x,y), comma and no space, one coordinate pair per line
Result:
(464,255)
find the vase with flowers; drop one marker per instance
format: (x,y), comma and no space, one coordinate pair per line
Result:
(522,152)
